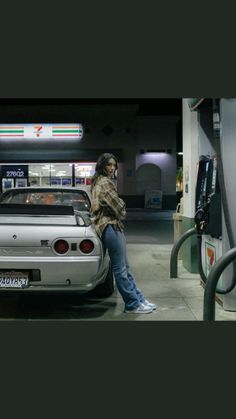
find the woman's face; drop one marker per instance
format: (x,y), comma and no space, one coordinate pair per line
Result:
(110,167)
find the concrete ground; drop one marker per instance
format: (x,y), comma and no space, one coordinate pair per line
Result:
(177,300)
(149,242)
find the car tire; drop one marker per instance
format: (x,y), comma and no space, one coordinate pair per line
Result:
(107,288)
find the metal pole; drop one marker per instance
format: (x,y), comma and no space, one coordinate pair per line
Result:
(211,284)
(175,251)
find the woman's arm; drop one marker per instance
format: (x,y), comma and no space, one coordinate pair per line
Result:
(109,199)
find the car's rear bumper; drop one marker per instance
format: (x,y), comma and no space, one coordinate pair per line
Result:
(58,274)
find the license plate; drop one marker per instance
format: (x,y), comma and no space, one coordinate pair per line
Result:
(13,279)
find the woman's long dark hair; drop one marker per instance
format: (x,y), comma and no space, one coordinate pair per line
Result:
(100,166)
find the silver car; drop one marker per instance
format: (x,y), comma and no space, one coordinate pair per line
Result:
(47,242)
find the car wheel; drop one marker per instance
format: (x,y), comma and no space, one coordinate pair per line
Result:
(107,287)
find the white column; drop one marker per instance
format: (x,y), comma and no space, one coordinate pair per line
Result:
(190,158)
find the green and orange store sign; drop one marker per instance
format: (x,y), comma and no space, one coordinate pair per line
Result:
(40,131)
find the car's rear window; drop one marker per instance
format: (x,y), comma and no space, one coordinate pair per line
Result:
(78,199)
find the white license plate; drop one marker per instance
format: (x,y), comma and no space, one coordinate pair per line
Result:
(14,279)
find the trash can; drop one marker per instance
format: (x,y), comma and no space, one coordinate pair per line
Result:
(177,217)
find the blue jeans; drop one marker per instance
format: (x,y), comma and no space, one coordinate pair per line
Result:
(114,241)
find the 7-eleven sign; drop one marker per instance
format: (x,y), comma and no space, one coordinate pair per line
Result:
(41,131)
(38,130)
(210,256)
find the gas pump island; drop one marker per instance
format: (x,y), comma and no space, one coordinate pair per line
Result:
(215,202)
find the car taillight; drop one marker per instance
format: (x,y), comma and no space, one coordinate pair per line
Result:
(61,246)
(86,246)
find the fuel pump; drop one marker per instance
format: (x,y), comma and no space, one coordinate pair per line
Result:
(208,213)
(223,123)
(211,197)
(217,138)
(212,200)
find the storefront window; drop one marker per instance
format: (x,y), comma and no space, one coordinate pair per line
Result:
(50,174)
(84,173)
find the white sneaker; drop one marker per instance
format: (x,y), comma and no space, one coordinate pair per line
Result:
(141,309)
(151,305)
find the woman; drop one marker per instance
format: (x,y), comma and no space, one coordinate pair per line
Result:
(107,211)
